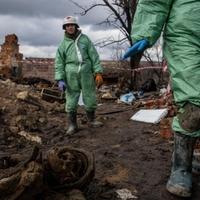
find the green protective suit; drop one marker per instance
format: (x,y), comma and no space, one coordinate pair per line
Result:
(180,22)
(77,61)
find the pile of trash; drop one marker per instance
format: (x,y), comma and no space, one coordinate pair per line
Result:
(63,170)
(26,120)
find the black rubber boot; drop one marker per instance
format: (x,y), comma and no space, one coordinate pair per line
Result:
(196,162)
(92,121)
(72,123)
(180,181)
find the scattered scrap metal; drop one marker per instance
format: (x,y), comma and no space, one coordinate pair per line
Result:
(64,170)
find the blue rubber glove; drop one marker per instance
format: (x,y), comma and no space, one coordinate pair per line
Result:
(62,85)
(139,46)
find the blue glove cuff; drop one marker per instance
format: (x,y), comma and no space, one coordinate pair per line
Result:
(139,46)
(62,85)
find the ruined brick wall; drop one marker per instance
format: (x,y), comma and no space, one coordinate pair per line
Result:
(113,70)
(10,58)
(44,68)
(39,67)
(12,63)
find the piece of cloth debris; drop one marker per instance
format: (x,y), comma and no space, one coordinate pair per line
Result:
(127,98)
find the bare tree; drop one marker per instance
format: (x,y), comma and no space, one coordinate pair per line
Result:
(121,14)
(121,17)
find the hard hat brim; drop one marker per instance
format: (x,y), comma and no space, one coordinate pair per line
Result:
(69,23)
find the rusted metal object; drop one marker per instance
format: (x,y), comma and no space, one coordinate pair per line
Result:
(20,176)
(52,94)
(64,171)
(68,168)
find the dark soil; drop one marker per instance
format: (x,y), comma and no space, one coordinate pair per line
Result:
(128,155)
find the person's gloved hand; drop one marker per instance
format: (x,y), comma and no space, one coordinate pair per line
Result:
(139,46)
(98,80)
(62,85)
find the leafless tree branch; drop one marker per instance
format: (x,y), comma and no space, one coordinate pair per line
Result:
(109,41)
(86,10)
(121,16)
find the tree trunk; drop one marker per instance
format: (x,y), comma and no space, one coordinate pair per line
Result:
(134,63)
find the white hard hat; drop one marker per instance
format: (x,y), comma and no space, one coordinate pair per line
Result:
(70,20)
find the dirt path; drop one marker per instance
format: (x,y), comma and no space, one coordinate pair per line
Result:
(129,155)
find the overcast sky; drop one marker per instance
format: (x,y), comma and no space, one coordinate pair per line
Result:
(38,25)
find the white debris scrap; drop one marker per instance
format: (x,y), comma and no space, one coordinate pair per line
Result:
(150,116)
(30,137)
(125,194)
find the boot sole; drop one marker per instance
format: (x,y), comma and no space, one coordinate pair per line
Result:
(178,190)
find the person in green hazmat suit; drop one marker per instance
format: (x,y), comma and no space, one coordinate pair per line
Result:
(180,22)
(77,68)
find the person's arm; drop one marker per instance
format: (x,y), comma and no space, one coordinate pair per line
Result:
(150,17)
(60,64)
(94,57)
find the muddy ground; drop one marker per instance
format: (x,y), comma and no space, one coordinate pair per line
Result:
(128,155)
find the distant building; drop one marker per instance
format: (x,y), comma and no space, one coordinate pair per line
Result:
(39,67)
(13,65)
(10,58)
